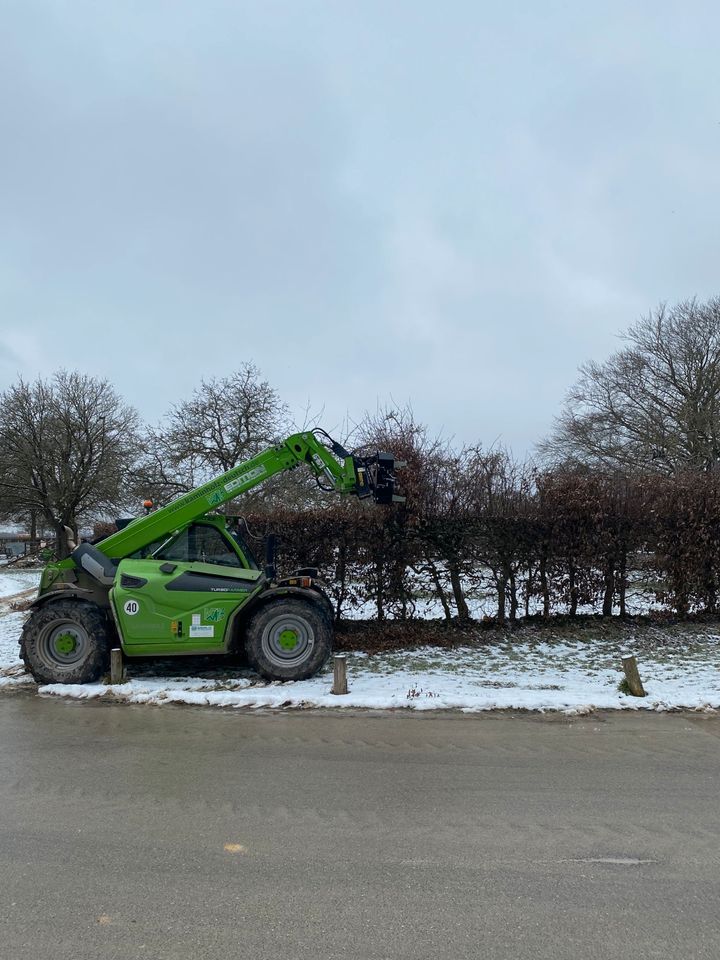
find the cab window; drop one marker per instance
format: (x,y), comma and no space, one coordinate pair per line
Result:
(245,549)
(200,543)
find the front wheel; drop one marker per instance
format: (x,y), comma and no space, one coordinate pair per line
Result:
(288,639)
(66,642)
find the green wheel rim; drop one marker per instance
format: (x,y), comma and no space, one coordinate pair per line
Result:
(65,643)
(288,639)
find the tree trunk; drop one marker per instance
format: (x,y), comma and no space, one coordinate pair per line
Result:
(622,573)
(544,590)
(710,589)
(573,587)
(403,603)
(402,592)
(439,590)
(682,603)
(341,578)
(462,607)
(379,598)
(528,590)
(607,608)
(501,589)
(513,596)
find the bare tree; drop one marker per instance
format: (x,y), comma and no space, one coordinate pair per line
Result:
(66,450)
(653,406)
(224,422)
(156,475)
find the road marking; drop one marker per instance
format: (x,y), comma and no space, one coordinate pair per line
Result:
(619,861)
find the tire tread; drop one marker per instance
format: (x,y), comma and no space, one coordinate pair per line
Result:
(91,618)
(322,628)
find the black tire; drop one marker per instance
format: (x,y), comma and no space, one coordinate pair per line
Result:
(66,642)
(288,639)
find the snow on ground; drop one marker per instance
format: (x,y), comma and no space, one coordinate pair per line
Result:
(528,673)
(14,581)
(573,677)
(12,672)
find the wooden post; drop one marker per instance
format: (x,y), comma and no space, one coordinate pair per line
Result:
(340,676)
(632,675)
(117,673)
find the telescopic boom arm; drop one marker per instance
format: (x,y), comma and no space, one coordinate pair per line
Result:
(334,468)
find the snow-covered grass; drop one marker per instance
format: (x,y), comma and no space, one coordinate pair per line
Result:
(12,671)
(529,670)
(481,599)
(574,677)
(13,584)
(14,581)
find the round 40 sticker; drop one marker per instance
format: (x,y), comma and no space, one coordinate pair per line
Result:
(131,607)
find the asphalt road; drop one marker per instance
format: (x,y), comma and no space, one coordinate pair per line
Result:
(189,833)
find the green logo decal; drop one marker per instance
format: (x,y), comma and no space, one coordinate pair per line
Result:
(214,614)
(216,497)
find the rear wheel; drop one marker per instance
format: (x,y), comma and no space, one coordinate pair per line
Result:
(288,639)
(66,642)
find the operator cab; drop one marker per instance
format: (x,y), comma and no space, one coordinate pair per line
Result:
(208,541)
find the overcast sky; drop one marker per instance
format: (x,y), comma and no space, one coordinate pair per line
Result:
(453,204)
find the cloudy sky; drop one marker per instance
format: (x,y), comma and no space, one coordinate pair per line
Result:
(453,204)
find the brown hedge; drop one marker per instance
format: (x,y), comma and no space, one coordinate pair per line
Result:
(551,542)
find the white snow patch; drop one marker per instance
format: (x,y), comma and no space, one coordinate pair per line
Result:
(574,678)
(12,670)
(13,581)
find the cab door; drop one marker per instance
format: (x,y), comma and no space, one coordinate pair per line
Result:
(182,599)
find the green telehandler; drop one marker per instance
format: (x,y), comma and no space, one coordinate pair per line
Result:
(181,580)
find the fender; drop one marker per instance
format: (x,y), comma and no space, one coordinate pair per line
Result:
(311,594)
(71,593)
(234,637)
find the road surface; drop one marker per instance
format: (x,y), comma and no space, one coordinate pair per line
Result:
(187,833)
